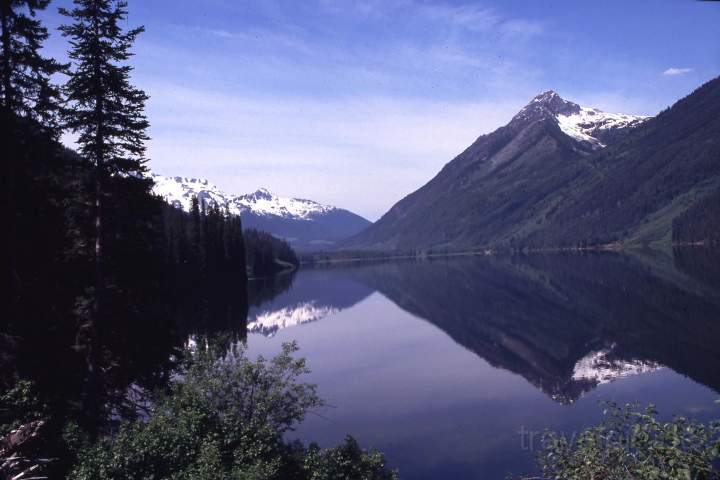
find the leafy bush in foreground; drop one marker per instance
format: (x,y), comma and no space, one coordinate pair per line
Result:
(632,443)
(225,419)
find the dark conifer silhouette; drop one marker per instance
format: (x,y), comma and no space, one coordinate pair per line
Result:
(26,88)
(107,113)
(105,109)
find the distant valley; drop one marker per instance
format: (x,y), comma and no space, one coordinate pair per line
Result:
(305,224)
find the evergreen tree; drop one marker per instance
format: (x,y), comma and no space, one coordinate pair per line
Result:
(26,89)
(107,113)
(106,110)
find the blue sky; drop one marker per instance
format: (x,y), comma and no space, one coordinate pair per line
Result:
(358,103)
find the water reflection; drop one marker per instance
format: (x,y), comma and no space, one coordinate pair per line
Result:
(270,321)
(439,363)
(566,322)
(603,367)
(317,296)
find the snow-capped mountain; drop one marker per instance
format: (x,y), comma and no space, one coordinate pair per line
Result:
(180,190)
(509,184)
(584,124)
(304,223)
(265,203)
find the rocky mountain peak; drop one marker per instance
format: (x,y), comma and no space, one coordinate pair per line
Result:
(547,104)
(260,194)
(589,126)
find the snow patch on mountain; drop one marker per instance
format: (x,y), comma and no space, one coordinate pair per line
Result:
(583,124)
(179,191)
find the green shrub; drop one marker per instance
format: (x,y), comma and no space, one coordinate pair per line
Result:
(631,443)
(345,462)
(225,418)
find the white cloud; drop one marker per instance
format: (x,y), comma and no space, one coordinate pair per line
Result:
(675,72)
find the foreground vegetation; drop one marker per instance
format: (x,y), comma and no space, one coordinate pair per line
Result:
(632,443)
(223,416)
(226,417)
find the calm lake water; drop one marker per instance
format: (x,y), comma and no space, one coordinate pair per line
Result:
(441,364)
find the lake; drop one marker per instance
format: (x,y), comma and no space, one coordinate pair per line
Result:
(452,366)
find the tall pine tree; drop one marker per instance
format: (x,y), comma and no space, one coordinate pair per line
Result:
(105,109)
(26,88)
(108,115)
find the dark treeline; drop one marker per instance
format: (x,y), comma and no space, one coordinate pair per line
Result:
(206,265)
(268,255)
(202,246)
(105,281)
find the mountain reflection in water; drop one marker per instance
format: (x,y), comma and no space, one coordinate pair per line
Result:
(270,321)
(388,346)
(565,322)
(311,299)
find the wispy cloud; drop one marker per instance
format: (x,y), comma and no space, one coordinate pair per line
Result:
(676,72)
(328,149)
(253,38)
(479,19)
(220,33)
(473,18)
(522,27)
(456,50)
(466,16)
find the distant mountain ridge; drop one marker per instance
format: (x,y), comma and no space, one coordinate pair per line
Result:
(562,175)
(305,224)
